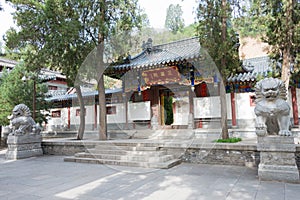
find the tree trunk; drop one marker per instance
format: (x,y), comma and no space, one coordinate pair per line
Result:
(101,88)
(223,111)
(0,135)
(102,108)
(82,114)
(285,71)
(222,85)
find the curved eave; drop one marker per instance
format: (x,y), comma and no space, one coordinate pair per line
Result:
(135,66)
(246,77)
(67,97)
(163,54)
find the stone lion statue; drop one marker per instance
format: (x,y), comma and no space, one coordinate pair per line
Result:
(272,111)
(21,121)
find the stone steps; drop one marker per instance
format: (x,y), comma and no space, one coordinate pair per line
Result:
(139,158)
(147,155)
(177,134)
(126,148)
(162,165)
(123,152)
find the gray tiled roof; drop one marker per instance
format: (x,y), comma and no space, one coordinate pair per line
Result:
(84,94)
(162,54)
(254,67)
(260,64)
(7,63)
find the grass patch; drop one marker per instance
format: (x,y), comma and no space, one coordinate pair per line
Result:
(229,140)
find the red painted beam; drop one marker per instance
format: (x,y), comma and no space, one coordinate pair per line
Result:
(233,110)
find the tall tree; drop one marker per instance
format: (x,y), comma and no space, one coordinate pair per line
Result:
(111,17)
(277,22)
(63,32)
(55,41)
(283,32)
(174,21)
(221,42)
(22,93)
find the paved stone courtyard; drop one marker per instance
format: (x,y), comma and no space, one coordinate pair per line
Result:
(48,177)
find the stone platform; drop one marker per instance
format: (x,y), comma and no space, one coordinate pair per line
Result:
(23,146)
(277,159)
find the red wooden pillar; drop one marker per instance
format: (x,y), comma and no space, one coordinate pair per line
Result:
(95,116)
(125,100)
(191,102)
(295,106)
(69,117)
(233,113)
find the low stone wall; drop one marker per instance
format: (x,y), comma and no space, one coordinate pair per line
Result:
(217,153)
(66,148)
(208,153)
(297,155)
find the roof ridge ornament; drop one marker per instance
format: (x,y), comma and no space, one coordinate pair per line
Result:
(147,46)
(249,67)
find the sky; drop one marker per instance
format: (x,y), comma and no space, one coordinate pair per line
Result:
(6,20)
(155,9)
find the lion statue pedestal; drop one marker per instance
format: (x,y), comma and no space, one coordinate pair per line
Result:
(24,139)
(277,159)
(23,146)
(274,139)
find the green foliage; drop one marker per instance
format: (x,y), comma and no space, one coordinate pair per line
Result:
(61,33)
(209,30)
(64,34)
(219,39)
(229,140)
(13,91)
(251,24)
(165,36)
(110,83)
(174,21)
(168,106)
(277,22)
(282,34)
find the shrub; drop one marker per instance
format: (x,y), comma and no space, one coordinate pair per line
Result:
(229,140)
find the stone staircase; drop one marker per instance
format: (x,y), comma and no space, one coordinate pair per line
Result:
(133,154)
(173,134)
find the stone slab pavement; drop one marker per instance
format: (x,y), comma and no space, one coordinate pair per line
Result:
(49,178)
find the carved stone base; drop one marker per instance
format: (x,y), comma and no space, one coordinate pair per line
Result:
(23,146)
(278,173)
(191,121)
(154,123)
(277,159)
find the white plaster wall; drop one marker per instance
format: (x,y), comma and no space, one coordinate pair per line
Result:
(58,122)
(210,107)
(204,107)
(119,117)
(243,108)
(139,111)
(90,115)
(182,110)
(75,120)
